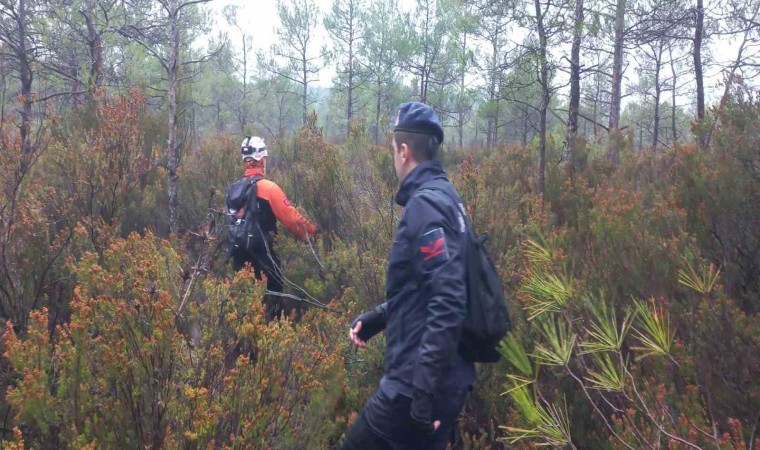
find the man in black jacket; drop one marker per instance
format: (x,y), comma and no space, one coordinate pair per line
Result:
(425,382)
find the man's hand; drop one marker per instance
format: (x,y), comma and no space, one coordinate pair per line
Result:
(354,335)
(421,412)
(425,428)
(365,326)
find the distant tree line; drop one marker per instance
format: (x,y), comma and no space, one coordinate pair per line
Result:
(552,72)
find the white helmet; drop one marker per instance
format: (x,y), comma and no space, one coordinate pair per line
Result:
(253,147)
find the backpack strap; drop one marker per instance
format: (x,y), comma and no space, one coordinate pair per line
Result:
(252,201)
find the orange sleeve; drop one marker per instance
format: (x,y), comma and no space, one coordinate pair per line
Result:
(285,212)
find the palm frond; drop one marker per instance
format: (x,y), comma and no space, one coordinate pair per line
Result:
(703,281)
(655,335)
(517,383)
(604,333)
(610,376)
(536,252)
(514,352)
(551,427)
(525,404)
(547,293)
(560,344)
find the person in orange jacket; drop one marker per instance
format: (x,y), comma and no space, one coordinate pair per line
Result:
(273,206)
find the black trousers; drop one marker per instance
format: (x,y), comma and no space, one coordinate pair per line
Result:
(263,264)
(385,424)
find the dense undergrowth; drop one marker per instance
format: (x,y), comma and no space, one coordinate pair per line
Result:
(635,290)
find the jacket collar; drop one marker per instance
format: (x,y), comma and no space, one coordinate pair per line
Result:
(424,172)
(253,172)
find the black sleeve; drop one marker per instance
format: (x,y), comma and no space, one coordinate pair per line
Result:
(439,262)
(373,322)
(382,309)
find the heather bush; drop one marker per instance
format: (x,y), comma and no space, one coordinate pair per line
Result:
(120,373)
(627,365)
(633,290)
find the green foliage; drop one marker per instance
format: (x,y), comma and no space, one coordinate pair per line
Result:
(552,426)
(656,336)
(602,331)
(514,352)
(547,293)
(561,343)
(609,376)
(716,187)
(604,334)
(632,289)
(233,379)
(703,282)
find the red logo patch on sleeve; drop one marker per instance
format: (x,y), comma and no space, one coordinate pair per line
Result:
(432,248)
(287,202)
(436,248)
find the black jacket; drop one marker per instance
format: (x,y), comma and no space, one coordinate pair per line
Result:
(425,290)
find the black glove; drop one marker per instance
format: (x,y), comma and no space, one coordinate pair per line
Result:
(421,412)
(373,322)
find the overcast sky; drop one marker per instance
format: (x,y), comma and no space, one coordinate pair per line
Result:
(262,15)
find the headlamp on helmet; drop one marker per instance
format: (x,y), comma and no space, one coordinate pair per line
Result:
(253,147)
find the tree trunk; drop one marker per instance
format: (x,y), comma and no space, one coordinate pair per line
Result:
(489,132)
(461,91)
(243,119)
(575,87)
(698,32)
(461,132)
(75,83)
(173,148)
(617,81)
(219,122)
(281,118)
(425,72)
(424,84)
(26,79)
(3,96)
(597,99)
(494,115)
(544,104)
(673,130)
(350,105)
(95,44)
(377,110)
(305,88)
(657,93)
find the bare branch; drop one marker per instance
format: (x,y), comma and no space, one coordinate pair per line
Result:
(164,63)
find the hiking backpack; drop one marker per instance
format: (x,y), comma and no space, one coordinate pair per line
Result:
(487,320)
(243,230)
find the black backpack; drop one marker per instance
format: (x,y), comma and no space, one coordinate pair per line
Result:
(243,231)
(487,321)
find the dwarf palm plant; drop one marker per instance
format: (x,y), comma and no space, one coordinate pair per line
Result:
(654,333)
(560,342)
(550,425)
(595,344)
(702,281)
(605,334)
(547,293)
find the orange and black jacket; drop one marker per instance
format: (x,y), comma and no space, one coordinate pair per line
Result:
(274,205)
